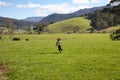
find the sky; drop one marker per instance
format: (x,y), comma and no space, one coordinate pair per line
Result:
(20,9)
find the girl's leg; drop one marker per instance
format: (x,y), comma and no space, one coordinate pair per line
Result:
(59,48)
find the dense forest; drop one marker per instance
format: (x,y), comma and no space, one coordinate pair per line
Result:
(106,18)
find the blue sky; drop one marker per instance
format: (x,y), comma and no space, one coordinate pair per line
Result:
(20,9)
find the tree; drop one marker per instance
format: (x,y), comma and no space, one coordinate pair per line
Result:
(30,29)
(40,28)
(11,27)
(1,32)
(101,19)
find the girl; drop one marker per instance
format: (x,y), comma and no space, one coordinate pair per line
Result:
(58,44)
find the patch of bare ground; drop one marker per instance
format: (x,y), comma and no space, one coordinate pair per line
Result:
(3,70)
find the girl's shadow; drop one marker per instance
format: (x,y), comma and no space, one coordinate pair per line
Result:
(55,53)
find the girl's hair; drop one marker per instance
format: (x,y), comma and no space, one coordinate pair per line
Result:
(58,39)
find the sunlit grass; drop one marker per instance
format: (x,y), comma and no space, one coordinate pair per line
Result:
(84,57)
(70,25)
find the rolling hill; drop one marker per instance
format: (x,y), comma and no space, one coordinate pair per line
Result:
(59,17)
(110,29)
(79,25)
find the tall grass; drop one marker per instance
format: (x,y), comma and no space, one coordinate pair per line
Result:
(84,57)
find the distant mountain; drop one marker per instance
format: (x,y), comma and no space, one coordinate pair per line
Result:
(33,19)
(18,23)
(59,17)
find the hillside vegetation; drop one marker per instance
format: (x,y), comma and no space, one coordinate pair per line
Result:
(79,24)
(106,18)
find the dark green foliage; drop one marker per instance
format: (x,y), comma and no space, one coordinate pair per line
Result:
(100,20)
(39,27)
(1,38)
(69,32)
(15,39)
(114,12)
(106,18)
(115,35)
(26,39)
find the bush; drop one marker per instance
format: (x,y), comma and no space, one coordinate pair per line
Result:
(15,39)
(69,32)
(1,38)
(115,35)
(26,39)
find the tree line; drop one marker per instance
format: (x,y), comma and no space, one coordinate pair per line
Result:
(106,18)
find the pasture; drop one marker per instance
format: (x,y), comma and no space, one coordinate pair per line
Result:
(78,25)
(84,57)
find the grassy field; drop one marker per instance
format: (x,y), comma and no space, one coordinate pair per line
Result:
(79,24)
(84,57)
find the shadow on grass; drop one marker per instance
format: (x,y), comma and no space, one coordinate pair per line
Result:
(49,53)
(55,53)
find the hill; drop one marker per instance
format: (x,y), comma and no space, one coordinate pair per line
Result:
(33,19)
(111,29)
(59,17)
(79,24)
(20,24)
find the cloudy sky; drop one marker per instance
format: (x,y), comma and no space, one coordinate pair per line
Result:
(20,9)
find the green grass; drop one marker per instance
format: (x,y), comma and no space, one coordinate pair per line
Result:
(111,29)
(79,24)
(85,57)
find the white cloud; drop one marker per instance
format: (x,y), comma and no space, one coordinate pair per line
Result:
(115,3)
(81,1)
(108,1)
(31,5)
(2,3)
(44,10)
(88,2)
(95,1)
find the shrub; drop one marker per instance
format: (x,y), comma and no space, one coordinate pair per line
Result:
(26,39)
(1,38)
(69,32)
(15,39)
(74,31)
(115,35)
